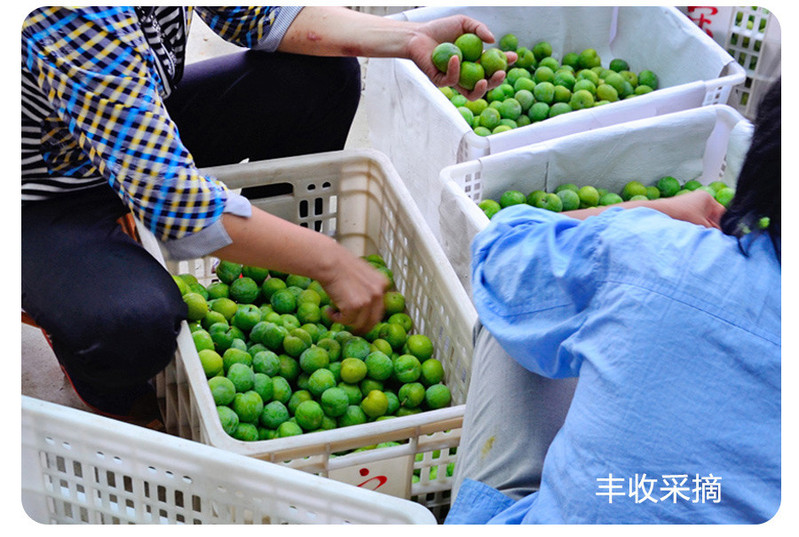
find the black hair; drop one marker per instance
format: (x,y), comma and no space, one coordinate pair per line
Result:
(756,207)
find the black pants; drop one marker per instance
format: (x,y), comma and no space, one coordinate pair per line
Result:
(260,106)
(111,310)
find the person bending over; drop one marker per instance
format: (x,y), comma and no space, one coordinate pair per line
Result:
(115,122)
(636,350)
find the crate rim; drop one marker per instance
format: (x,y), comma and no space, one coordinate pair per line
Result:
(725,111)
(275,165)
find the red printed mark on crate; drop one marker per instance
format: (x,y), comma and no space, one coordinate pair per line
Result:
(380,479)
(701,20)
(387,476)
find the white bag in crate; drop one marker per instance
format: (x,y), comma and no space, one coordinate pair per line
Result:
(412,122)
(707,144)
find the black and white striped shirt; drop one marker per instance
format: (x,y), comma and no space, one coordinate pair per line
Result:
(93,84)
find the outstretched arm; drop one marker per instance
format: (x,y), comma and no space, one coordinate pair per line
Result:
(264,240)
(338,31)
(697,207)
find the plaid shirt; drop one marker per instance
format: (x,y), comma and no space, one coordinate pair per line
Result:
(93,84)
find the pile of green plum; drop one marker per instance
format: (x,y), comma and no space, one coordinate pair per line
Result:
(539,86)
(570,197)
(277,365)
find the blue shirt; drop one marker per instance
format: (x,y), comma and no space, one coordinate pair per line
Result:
(675,337)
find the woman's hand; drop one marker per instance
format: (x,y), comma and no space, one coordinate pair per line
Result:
(429,34)
(698,207)
(356,290)
(339,31)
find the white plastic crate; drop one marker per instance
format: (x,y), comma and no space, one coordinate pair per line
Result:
(79,467)
(413,123)
(356,197)
(381,11)
(758,50)
(706,144)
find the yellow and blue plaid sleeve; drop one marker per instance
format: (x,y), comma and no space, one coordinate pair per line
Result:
(259,27)
(92,64)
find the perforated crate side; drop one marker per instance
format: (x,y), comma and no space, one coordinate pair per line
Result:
(79,467)
(754,40)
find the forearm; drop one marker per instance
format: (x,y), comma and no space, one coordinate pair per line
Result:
(582,214)
(338,31)
(264,240)
(697,207)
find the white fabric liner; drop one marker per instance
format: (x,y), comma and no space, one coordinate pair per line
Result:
(412,122)
(706,144)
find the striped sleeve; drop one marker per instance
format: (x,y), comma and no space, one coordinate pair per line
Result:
(252,27)
(92,65)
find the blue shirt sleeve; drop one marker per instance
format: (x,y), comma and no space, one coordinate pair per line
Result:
(534,273)
(477,503)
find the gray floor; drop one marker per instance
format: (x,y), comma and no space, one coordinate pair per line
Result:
(41,376)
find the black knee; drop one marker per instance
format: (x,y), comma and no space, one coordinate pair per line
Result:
(149,330)
(127,341)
